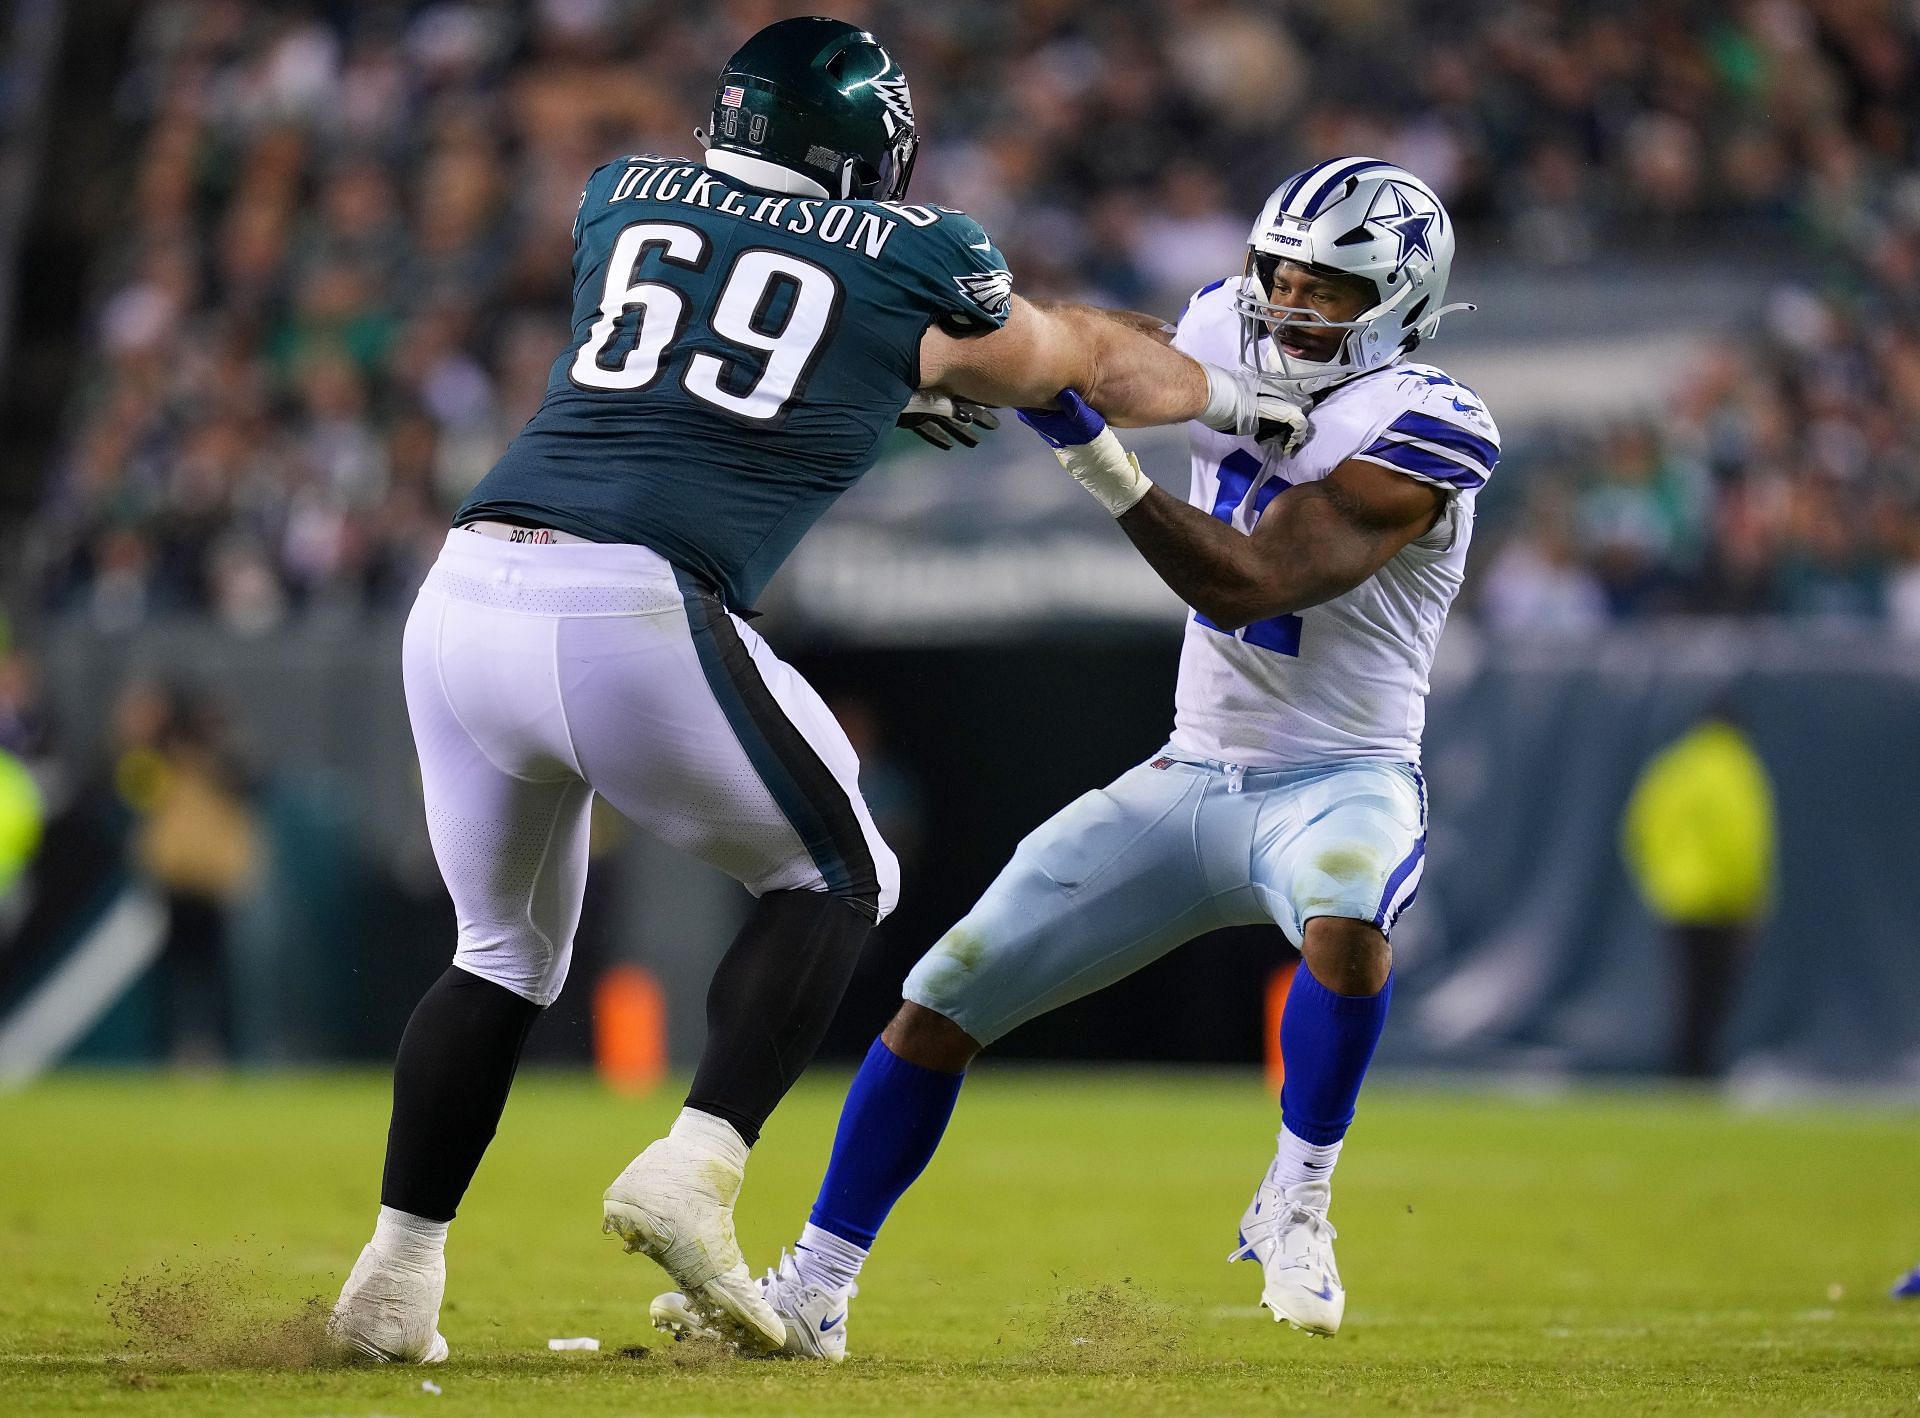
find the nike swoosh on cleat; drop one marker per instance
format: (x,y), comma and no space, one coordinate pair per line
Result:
(826,1325)
(1325,1291)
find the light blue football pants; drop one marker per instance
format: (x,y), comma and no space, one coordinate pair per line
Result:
(1167,851)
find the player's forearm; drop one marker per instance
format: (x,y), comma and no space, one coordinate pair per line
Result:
(1152,326)
(1127,371)
(1128,374)
(1233,579)
(1208,564)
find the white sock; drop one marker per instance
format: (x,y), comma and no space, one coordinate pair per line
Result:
(410,1239)
(826,1261)
(1299,1161)
(716,1135)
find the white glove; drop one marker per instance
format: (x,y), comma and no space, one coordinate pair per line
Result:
(1241,401)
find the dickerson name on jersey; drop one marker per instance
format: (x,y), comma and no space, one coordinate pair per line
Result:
(853,225)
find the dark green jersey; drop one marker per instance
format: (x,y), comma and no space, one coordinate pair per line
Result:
(737,357)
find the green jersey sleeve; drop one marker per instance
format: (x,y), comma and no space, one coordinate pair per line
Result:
(598,182)
(600,185)
(967,278)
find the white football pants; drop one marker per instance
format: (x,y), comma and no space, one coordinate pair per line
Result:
(538,675)
(1170,849)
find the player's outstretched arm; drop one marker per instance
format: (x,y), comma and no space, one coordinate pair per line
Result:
(1152,326)
(1127,373)
(1314,542)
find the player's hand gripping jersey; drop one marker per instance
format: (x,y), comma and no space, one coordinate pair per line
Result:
(737,357)
(1348,678)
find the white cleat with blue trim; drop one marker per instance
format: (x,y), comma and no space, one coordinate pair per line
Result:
(1288,1233)
(815,1319)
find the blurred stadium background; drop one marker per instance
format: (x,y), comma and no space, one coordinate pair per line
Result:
(281,280)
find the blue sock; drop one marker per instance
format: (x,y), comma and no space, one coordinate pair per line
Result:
(891,1123)
(1326,1043)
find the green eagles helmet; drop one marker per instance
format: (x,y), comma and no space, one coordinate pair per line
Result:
(821,98)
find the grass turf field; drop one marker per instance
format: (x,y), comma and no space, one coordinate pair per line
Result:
(166,1246)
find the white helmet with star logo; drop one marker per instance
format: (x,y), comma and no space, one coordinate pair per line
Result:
(1358,217)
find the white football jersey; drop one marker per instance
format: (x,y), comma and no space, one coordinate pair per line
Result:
(1347,678)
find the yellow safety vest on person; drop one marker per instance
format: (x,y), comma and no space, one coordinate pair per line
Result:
(21,818)
(1698,833)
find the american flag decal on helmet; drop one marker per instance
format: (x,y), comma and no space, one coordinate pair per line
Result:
(992,291)
(732,96)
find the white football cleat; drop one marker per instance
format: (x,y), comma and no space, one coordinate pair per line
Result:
(1288,1233)
(674,1203)
(815,1320)
(390,1312)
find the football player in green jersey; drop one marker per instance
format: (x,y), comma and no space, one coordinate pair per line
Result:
(747,328)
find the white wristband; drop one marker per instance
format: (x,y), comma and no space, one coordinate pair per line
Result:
(1230,400)
(1106,470)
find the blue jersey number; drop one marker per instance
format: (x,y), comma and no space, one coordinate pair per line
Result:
(1280,633)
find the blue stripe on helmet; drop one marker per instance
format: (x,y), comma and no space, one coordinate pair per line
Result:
(1323,193)
(1448,435)
(1300,180)
(1423,462)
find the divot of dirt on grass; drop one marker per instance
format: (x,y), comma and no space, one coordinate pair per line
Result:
(1108,1328)
(700,1353)
(210,1315)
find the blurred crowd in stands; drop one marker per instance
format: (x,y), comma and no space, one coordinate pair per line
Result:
(335,268)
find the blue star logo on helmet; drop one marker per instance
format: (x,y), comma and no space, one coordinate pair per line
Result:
(1412,226)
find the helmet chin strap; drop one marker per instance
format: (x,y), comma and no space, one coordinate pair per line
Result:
(758,172)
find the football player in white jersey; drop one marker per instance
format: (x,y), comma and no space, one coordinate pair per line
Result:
(1319,569)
